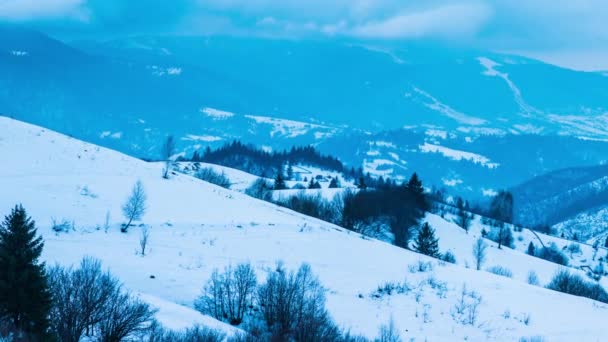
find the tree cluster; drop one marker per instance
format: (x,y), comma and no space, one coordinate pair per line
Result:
(251,159)
(402,206)
(63,304)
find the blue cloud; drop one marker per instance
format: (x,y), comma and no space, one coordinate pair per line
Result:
(532,25)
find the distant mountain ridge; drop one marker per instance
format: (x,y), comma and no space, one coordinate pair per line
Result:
(479,121)
(560,196)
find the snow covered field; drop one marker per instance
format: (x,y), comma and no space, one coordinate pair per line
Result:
(196,227)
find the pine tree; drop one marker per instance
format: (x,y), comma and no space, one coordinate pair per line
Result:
(531,249)
(289,172)
(279,181)
(426,242)
(415,184)
(362,184)
(24,294)
(335,183)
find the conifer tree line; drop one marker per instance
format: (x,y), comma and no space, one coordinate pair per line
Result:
(251,159)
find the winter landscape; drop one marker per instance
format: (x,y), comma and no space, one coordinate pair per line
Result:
(302,171)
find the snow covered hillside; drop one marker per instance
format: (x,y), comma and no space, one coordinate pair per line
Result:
(196,227)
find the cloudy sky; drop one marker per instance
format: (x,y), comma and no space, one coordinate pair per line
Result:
(571,33)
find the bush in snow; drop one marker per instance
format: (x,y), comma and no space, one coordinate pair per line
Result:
(62,226)
(293,307)
(479,252)
(390,288)
(502,235)
(143,240)
(466,309)
(126,318)
(448,257)
(260,189)
(420,266)
(228,295)
(209,175)
(388,333)
(553,254)
(532,339)
(315,205)
(88,301)
(566,282)
(574,248)
(501,271)
(195,334)
(532,278)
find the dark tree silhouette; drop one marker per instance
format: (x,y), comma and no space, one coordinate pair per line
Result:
(25,299)
(426,242)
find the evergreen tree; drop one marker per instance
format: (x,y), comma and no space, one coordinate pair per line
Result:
(335,183)
(362,184)
(279,181)
(289,172)
(25,298)
(314,184)
(531,249)
(426,242)
(415,184)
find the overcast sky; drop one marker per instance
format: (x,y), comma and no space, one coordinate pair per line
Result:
(571,33)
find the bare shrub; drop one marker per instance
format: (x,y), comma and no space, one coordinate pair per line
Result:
(553,254)
(125,317)
(143,240)
(315,205)
(420,266)
(88,301)
(61,226)
(501,271)
(228,295)
(533,278)
(261,189)
(390,288)
(293,307)
(80,298)
(466,309)
(448,256)
(388,332)
(208,174)
(532,339)
(195,334)
(479,252)
(566,282)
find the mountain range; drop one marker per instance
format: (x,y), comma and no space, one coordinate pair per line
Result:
(475,121)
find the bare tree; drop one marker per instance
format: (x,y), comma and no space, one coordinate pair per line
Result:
(125,316)
(135,206)
(479,252)
(293,306)
(143,240)
(463,218)
(389,333)
(228,295)
(80,298)
(167,151)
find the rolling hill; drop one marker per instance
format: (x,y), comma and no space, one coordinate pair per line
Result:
(196,227)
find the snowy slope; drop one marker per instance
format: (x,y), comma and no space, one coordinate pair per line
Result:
(196,227)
